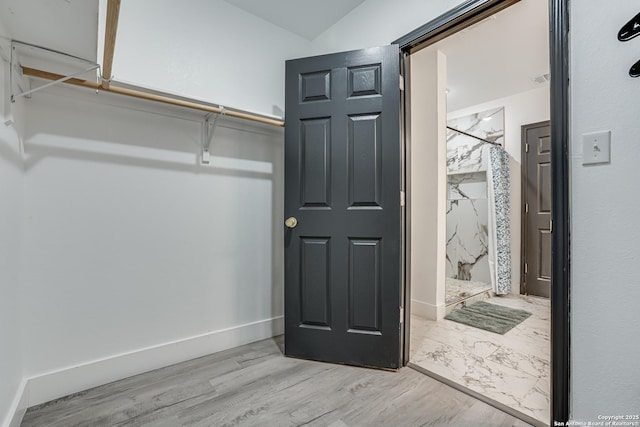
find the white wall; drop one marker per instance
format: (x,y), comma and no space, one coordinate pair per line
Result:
(605,288)
(231,57)
(11,214)
(138,256)
(519,109)
(427,196)
(378,23)
(205,49)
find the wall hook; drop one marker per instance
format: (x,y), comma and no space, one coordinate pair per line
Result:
(634,71)
(630,30)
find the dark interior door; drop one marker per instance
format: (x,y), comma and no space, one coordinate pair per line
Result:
(342,186)
(536,196)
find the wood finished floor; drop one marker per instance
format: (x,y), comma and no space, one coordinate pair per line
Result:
(255,385)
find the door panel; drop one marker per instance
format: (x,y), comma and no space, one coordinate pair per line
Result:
(364,286)
(365,161)
(314,282)
(537,211)
(315,168)
(342,184)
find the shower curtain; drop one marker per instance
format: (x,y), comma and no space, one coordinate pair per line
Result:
(498,189)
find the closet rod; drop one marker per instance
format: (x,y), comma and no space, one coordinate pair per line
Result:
(33,72)
(473,136)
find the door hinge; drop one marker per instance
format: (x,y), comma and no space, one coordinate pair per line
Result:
(401,314)
(526,147)
(526,268)
(550,226)
(401,82)
(402,198)
(526,207)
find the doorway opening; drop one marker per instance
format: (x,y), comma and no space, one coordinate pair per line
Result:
(475,87)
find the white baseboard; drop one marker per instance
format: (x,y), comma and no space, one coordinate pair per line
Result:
(427,311)
(19,406)
(63,382)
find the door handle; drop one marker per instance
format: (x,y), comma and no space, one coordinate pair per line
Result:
(291,222)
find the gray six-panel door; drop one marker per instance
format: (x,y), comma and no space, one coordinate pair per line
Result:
(342,198)
(537,209)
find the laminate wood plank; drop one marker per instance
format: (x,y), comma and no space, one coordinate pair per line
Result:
(255,385)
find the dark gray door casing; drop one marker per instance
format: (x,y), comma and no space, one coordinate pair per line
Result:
(536,216)
(342,184)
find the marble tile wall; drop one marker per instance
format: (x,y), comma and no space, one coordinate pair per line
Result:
(467,241)
(465,154)
(467,210)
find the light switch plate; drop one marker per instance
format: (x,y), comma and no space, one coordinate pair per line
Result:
(596,148)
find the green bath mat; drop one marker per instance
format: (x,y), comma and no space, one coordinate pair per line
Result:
(490,317)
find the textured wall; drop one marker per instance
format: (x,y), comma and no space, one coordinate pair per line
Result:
(133,244)
(218,53)
(11,216)
(605,288)
(427,192)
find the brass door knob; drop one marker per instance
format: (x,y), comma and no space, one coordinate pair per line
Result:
(291,222)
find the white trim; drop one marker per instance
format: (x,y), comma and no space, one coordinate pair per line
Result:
(428,311)
(19,406)
(56,384)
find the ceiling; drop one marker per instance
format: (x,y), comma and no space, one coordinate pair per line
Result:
(306,18)
(499,56)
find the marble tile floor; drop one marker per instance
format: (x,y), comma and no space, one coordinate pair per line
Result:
(459,290)
(512,369)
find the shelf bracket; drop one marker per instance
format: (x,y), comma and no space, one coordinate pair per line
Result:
(55,82)
(16,75)
(208,128)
